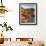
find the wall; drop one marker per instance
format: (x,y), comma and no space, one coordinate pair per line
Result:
(38,32)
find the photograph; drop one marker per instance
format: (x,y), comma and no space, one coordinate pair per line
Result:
(28,13)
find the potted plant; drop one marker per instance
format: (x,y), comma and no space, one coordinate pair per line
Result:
(4,25)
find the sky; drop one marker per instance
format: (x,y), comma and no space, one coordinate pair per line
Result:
(28,5)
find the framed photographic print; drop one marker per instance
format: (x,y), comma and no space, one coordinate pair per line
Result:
(28,13)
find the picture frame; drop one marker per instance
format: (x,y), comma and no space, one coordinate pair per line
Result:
(28,13)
